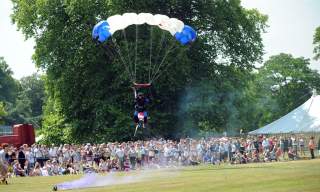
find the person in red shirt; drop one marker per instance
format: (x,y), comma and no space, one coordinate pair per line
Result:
(312,146)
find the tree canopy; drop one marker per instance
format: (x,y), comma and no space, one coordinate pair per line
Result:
(21,100)
(8,86)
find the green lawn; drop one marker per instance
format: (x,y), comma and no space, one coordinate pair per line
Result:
(285,176)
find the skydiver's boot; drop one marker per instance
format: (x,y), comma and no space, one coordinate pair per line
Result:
(55,188)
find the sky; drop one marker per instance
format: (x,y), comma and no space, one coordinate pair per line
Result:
(292,24)
(16,51)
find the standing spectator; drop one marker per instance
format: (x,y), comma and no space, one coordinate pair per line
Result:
(290,143)
(256,144)
(139,155)
(120,155)
(53,152)
(312,146)
(66,153)
(281,145)
(265,144)
(21,157)
(133,157)
(301,145)
(12,155)
(30,157)
(319,146)
(38,154)
(285,146)
(221,152)
(3,163)
(294,145)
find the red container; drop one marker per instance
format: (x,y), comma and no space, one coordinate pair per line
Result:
(22,134)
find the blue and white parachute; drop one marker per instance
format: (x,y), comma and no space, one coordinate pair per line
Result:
(106,28)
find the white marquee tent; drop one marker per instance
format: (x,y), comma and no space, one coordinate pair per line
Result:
(304,119)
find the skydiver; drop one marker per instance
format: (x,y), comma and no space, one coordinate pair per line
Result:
(140,102)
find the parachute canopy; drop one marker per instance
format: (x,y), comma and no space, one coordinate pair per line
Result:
(104,29)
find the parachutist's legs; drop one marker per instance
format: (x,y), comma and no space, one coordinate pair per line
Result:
(135,117)
(145,119)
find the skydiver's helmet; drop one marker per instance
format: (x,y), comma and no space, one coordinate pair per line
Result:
(140,95)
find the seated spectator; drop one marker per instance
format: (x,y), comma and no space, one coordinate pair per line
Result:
(291,154)
(70,168)
(278,153)
(36,170)
(273,156)
(55,168)
(88,169)
(244,158)
(193,160)
(103,166)
(266,154)
(18,171)
(255,156)
(44,171)
(26,167)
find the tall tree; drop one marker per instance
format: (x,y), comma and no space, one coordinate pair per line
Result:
(32,96)
(91,85)
(282,84)
(8,85)
(3,113)
(28,102)
(316,43)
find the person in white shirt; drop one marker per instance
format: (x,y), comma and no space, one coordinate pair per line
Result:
(53,152)
(120,155)
(3,164)
(38,154)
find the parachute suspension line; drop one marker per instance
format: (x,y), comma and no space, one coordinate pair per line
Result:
(136,53)
(165,67)
(150,56)
(127,49)
(162,71)
(159,48)
(108,50)
(158,72)
(121,57)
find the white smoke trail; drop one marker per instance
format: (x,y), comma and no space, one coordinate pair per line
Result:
(96,180)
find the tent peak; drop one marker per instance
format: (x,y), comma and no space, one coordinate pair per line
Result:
(314,92)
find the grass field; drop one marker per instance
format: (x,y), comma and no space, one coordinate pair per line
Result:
(291,176)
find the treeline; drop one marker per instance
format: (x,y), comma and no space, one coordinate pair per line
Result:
(211,86)
(21,101)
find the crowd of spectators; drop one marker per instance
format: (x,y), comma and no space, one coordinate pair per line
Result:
(42,160)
